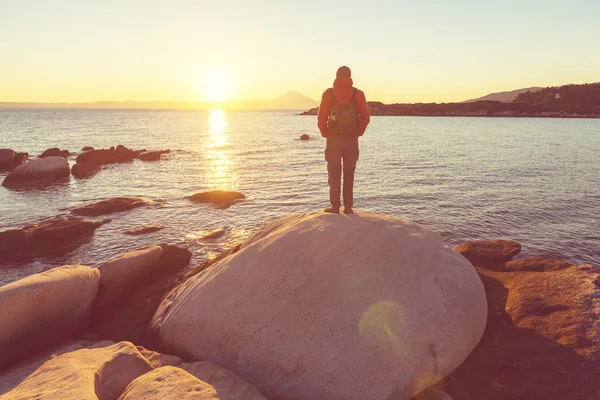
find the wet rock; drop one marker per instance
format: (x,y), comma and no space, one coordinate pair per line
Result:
(81,171)
(126,315)
(220,198)
(541,339)
(153,155)
(298,307)
(489,251)
(43,308)
(217,233)
(142,230)
(87,148)
(111,156)
(38,172)
(9,159)
(117,204)
(81,370)
(50,237)
(304,136)
(55,152)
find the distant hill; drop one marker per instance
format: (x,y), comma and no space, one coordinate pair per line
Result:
(289,101)
(563,97)
(504,97)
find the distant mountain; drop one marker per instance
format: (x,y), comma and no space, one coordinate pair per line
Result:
(289,101)
(504,97)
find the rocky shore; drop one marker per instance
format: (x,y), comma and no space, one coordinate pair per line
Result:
(312,306)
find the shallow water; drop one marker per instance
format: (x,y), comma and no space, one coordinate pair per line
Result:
(532,180)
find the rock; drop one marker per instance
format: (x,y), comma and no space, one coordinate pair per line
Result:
(78,371)
(119,274)
(153,155)
(169,383)
(385,298)
(43,308)
(87,148)
(217,233)
(117,204)
(37,173)
(489,251)
(228,385)
(7,156)
(17,160)
(55,152)
(49,237)
(158,360)
(127,314)
(81,171)
(111,156)
(304,136)
(220,198)
(541,339)
(142,230)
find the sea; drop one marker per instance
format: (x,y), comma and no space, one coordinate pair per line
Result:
(536,181)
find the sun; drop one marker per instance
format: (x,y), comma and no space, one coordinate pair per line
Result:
(216,86)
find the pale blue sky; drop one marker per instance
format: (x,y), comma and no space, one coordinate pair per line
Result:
(399,51)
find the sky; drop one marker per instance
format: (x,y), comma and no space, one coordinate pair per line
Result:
(399,51)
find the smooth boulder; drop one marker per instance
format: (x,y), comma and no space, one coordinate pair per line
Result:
(220,198)
(117,204)
(43,308)
(489,251)
(80,370)
(118,274)
(38,173)
(330,306)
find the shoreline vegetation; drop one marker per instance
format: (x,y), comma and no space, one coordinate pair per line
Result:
(569,101)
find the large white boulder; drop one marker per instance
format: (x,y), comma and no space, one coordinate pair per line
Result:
(38,172)
(321,306)
(45,307)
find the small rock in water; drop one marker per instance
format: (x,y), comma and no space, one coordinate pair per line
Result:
(304,136)
(217,233)
(55,152)
(10,159)
(141,230)
(220,198)
(109,206)
(87,148)
(153,155)
(81,171)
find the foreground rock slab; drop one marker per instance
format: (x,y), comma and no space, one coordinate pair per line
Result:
(50,237)
(117,204)
(220,198)
(38,172)
(541,339)
(382,297)
(42,308)
(78,371)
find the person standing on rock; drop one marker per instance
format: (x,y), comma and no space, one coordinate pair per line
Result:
(343,117)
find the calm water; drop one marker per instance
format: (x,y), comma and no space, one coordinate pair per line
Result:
(532,180)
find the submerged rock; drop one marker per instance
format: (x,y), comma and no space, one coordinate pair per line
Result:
(304,136)
(142,230)
(55,152)
(110,156)
(50,237)
(117,204)
(38,172)
(81,171)
(153,155)
(383,297)
(43,308)
(217,233)
(489,251)
(220,198)
(541,339)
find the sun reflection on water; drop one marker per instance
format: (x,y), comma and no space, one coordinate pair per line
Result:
(221,169)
